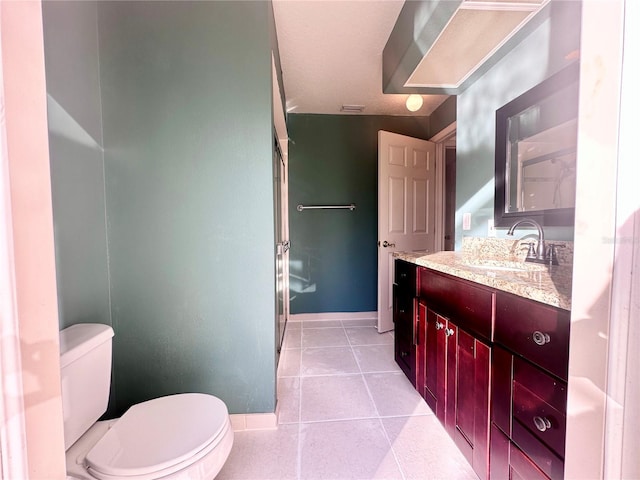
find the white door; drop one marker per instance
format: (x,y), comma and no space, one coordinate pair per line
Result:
(406,208)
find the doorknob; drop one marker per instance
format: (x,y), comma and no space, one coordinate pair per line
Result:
(386,244)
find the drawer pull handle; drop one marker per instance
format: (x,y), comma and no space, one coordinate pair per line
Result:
(448,332)
(543,424)
(541,338)
(439,326)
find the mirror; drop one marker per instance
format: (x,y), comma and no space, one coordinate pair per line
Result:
(536,138)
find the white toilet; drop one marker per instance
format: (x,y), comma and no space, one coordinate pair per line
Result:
(185,436)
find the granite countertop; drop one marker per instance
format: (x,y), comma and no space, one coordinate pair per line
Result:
(549,285)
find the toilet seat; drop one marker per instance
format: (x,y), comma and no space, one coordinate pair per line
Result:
(159,437)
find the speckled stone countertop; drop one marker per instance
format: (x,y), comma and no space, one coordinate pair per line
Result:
(549,285)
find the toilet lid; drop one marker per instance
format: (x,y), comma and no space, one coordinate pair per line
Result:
(159,434)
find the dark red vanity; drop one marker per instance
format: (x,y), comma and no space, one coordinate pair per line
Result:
(491,365)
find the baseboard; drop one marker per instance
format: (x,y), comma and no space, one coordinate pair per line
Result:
(254,421)
(315,317)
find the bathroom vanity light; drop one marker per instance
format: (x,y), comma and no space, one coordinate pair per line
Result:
(414,102)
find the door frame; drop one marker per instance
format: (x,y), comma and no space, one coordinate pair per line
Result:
(444,138)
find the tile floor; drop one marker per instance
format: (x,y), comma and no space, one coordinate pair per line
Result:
(346,412)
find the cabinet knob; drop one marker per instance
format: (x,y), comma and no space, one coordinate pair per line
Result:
(541,338)
(403,275)
(404,354)
(401,310)
(448,332)
(439,325)
(543,424)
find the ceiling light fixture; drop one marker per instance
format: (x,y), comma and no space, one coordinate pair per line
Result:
(352,108)
(414,102)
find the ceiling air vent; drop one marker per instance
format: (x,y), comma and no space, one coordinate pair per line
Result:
(352,108)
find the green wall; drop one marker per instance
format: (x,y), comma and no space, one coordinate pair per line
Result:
(443,116)
(541,54)
(76,156)
(185,130)
(333,160)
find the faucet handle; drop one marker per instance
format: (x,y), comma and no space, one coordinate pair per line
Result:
(552,254)
(531,249)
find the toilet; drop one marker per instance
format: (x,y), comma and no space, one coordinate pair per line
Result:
(185,436)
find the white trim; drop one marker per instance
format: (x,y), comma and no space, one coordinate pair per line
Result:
(622,431)
(329,316)
(254,421)
(13,451)
(445,133)
(594,329)
(442,139)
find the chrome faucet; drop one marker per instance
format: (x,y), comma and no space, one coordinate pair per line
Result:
(541,255)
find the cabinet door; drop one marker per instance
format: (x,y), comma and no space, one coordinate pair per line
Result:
(435,365)
(467,417)
(404,319)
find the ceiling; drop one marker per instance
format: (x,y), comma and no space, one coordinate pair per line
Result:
(331,55)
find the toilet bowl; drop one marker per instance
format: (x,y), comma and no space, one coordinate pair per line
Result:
(184,436)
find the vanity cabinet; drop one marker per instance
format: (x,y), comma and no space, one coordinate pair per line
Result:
(491,365)
(529,387)
(404,317)
(454,364)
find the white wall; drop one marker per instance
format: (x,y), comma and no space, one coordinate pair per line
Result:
(27,230)
(601,288)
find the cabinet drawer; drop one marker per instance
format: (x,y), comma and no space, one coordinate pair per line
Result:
(405,278)
(542,412)
(536,331)
(471,306)
(521,468)
(545,459)
(508,462)
(403,304)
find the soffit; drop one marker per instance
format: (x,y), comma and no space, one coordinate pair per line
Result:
(331,55)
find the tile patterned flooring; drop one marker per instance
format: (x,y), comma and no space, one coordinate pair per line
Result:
(346,412)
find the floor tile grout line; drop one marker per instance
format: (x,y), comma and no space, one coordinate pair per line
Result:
(298,446)
(341,374)
(361,373)
(384,431)
(351,419)
(364,380)
(299,449)
(344,374)
(393,451)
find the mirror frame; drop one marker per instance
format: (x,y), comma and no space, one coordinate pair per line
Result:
(548,217)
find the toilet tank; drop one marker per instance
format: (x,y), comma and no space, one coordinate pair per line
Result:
(85,367)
